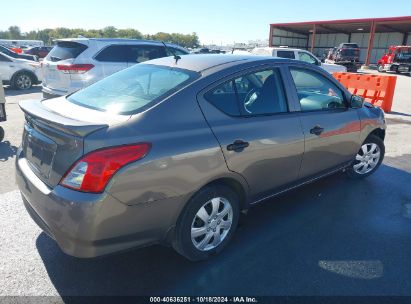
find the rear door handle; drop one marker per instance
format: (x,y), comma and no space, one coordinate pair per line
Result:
(317,130)
(238,146)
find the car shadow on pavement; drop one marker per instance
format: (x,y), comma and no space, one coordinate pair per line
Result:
(332,237)
(8,91)
(7,151)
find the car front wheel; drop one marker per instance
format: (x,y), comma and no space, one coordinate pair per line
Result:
(380,68)
(368,158)
(207,223)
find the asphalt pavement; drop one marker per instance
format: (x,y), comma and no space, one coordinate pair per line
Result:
(333,237)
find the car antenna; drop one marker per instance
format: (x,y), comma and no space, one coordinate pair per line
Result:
(176,57)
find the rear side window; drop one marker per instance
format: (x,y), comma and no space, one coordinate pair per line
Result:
(132,90)
(141,53)
(113,53)
(286,54)
(225,99)
(253,94)
(66,50)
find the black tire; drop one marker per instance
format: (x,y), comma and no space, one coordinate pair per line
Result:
(380,68)
(183,243)
(22,81)
(372,139)
(1,134)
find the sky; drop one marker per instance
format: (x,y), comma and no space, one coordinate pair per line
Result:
(218,22)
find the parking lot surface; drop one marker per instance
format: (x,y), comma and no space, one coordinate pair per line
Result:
(333,237)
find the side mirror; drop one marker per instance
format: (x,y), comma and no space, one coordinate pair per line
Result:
(356,101)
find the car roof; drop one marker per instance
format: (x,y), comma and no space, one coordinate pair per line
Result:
(202,62)
(119,40)
(278,48)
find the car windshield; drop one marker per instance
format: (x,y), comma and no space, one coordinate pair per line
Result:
(134,89)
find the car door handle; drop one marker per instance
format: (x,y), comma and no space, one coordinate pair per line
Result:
(238,146)
(317,130)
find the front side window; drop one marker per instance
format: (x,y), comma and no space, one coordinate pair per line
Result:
(259,93)
(133,90)
(303,56)
(286,54)
(141,53)
(315,91)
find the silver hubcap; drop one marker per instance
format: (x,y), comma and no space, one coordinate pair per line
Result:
(23,82)
(367,158)
(211,224)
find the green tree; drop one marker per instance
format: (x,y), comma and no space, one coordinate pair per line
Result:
(110,32)
(48,35)
(14,32)
(129,33)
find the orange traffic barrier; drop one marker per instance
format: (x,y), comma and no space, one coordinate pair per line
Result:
(376,89)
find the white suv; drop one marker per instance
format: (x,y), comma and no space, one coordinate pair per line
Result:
(20,73)
(303,55)
(76,63)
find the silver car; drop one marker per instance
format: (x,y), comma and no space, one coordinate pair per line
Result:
(173,150)
(75,63)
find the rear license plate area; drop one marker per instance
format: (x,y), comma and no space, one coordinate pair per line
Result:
(39,151)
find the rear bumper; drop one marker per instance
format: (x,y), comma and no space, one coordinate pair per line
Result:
(88,225)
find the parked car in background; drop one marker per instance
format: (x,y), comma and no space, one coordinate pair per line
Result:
(3,115)
(20,73)
(76,63)
(298,54)
(8,52)
(39,51)
(171,151)
(346,54)
(397,59)
(201,51)
(238,51)
(16,49)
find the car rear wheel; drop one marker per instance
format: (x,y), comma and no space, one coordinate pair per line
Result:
(368,158)
(22,81)
(207,223)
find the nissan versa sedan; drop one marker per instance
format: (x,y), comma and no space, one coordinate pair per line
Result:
(172,150)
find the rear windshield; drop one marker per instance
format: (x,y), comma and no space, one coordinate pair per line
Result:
(133,90)
(350,52)
(350,45)
(66,50)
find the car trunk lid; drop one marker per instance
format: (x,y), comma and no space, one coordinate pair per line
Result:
(53,142)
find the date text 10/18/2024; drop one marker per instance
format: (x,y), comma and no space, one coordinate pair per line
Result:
(203,300)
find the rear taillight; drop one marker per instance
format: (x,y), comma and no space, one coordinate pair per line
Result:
(74,68)
(92,172)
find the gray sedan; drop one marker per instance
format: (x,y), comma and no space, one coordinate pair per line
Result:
(173,150)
